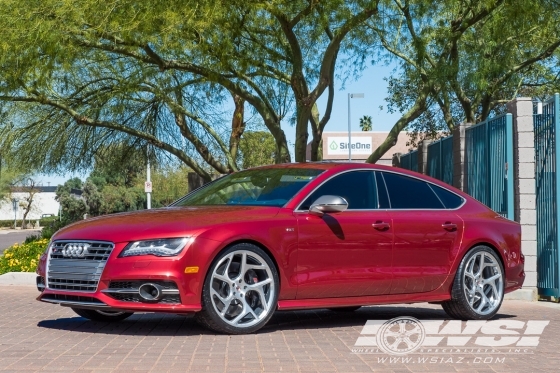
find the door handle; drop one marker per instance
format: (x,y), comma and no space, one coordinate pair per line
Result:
(381,225)
(448,226)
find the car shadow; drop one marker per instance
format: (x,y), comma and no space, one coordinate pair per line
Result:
(334,226)
(154,324)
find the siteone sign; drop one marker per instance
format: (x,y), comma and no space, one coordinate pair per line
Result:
(339,145)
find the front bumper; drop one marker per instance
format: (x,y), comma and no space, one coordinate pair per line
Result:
(181,296)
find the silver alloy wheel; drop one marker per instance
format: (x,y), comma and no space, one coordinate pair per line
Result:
(242,288)
(483,283)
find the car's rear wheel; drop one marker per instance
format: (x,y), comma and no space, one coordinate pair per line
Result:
(240,291)
(107,316)
(478,288)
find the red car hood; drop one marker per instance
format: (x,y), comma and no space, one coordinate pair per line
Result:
(160,223)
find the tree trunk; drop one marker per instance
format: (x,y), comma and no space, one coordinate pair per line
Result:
(302,134)
(237,126)
(27,209)
(391,140)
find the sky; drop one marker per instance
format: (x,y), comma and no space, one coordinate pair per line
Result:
(371,83)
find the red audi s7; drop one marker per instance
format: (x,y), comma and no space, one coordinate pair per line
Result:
(291,236)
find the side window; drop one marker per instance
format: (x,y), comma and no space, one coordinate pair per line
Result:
(450,200)
(356,187)
(410,193)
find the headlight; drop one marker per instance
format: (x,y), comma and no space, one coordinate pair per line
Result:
(165,247)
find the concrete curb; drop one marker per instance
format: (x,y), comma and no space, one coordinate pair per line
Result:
(18,278)
(529,295)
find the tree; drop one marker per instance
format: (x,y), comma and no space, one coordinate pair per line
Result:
(169,182)
(153,73)
(72,206)
(30,189)
(257,149)
(119,164)
(13,181)
(89,97)
(460,60)
(365,123)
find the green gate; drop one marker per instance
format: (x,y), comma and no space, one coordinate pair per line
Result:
(489,163)
(547,149)
(409,161)
(440,160)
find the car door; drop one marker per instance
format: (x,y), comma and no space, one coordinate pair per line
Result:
(427,235)
(347,253)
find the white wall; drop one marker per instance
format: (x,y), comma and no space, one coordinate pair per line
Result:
(43,203)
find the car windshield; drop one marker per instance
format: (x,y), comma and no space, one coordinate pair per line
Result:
(256,187)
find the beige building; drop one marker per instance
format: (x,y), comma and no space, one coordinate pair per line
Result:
(335,146)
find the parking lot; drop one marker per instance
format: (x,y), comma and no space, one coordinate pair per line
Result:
(37,336)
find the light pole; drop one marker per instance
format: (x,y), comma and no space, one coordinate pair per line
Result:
(15,207)
(148,183)
(351,95)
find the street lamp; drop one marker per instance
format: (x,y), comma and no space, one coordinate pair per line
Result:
(351,95)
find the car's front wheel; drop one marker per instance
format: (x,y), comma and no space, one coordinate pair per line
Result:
(107,316)
(240,291)
(478,288)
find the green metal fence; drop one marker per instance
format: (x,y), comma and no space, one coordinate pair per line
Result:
(489,163)
(547,149)
(409,161)
(440,160)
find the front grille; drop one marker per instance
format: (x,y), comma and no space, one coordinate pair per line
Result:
(74,271)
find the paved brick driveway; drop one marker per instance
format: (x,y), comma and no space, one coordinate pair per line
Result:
(41,337)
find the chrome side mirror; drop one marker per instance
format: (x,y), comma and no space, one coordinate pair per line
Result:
(328,203)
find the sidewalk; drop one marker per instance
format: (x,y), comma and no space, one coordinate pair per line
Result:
(45,337)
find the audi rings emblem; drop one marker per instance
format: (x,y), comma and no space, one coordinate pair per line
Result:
(75,250)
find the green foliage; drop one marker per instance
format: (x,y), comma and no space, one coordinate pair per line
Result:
(257,149)
(169,184)
(365,123)
(72,207)
(8,178)
(119,199)
(9,223)
(23,257)
(50,228)
(118,164)
(461,61)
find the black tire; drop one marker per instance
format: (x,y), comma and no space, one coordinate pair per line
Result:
(345,309)
(209,316)
(459,307)
(106,316)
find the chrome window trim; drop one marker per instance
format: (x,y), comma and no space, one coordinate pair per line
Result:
(439,199)
(331,177)
(385,188)
(387,191)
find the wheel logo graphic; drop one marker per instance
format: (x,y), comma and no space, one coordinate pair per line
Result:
(401,335)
